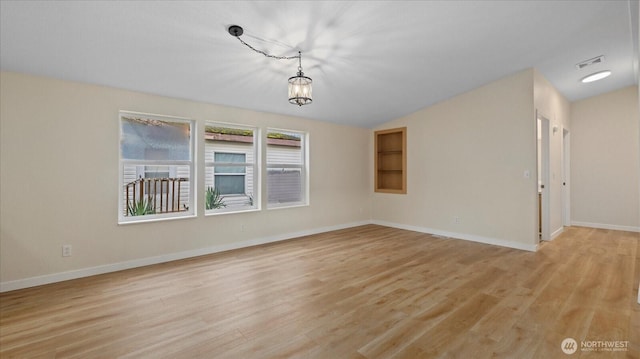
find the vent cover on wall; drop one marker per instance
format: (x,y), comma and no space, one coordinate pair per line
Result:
(593,61)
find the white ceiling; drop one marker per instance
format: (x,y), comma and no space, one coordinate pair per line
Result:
(371,61)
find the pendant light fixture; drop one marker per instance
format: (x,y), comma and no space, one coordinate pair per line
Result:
(300,91)
(300,86)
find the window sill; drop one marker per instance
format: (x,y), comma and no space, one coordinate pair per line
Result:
(218,213)
(287,205)
(155,219)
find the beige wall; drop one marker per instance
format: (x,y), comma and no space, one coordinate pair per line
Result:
(466,158)
(550,104)
(604,161)
(59,182)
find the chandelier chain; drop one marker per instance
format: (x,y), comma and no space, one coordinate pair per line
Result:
(299,56)
(299,85)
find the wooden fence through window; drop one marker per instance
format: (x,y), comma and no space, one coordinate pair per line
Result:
(162,193)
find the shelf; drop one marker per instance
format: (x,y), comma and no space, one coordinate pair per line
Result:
(390,152)
(391,161)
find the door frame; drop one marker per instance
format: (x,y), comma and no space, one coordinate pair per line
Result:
(566,177)
(543,176)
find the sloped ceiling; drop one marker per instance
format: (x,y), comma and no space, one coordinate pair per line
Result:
(371,61)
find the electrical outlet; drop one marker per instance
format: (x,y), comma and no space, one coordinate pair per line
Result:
(66,250)
(456,220)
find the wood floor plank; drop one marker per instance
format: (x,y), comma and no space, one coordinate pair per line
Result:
(449,333)
(368,292)
(499,322)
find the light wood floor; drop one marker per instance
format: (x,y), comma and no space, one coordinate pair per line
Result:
(367,292)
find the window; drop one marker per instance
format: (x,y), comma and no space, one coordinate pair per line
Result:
(151,172)
(157,171)
(286,168)
(230,168)
(156,167)
(229,179)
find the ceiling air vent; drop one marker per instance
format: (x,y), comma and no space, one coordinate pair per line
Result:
(593,61)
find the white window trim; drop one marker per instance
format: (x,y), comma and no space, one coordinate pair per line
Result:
(192,212)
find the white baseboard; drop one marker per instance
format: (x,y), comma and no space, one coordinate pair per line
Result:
(614,227)
(556,233)
(114,267)
(468,237)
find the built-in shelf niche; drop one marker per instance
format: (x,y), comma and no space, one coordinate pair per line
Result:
(391,160)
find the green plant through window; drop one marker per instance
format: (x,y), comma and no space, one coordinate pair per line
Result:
(213,199)
(141,207)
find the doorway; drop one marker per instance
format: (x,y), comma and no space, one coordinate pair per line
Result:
(543,177)
(566,176)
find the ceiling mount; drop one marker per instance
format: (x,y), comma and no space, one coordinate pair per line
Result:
(593,61)
(235,30)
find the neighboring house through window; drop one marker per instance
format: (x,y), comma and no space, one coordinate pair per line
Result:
(231,181)
(157,167)
(286,168)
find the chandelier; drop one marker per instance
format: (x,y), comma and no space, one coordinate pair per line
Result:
(299,85)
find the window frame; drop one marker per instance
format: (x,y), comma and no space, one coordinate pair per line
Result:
(304,168)
(191,163)
(242,165)
(255,165)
